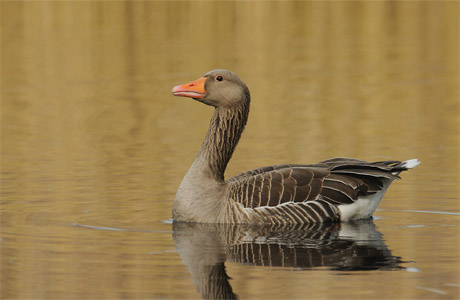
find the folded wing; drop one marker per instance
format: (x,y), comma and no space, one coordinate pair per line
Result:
(335,181)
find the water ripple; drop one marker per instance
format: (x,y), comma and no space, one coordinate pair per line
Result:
(432,212)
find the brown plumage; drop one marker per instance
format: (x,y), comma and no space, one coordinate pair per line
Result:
(332,190)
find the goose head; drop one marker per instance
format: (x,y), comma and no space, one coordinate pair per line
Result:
(218,88)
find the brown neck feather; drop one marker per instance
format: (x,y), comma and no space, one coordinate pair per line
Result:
(225,129)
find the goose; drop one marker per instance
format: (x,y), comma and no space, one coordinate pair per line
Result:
(334,190)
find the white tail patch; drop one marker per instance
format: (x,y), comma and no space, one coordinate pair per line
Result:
(411,163)
(364,206)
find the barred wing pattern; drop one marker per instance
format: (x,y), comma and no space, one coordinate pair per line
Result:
(310,193)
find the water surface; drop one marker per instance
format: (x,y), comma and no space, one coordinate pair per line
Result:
(94,146)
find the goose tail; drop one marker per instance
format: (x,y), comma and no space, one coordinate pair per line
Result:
(411,163)
(404,166)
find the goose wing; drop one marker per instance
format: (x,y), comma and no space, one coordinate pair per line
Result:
(335,181)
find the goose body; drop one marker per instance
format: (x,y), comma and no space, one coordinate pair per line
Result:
(338,189)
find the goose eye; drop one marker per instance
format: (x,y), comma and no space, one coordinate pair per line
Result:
(219,78)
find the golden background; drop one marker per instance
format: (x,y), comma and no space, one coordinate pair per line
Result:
(90,134)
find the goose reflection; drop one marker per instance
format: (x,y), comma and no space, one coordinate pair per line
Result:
(204,248)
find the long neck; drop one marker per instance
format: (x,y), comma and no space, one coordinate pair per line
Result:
(223,135)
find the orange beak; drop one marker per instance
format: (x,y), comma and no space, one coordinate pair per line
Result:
(194,89)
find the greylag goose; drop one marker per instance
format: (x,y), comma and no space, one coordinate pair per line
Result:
(338,189)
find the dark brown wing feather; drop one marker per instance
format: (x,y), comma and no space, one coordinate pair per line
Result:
(272,188)
(336,181)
